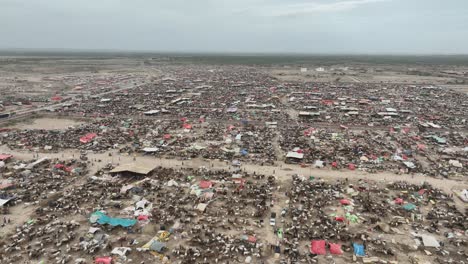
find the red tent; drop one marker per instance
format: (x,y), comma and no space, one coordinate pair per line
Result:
(327,102)
(345,202)
(398,201)
(334,164)
(167,136)
(142,217)
(183,119)
(103,260)
(5,157)
(187,126)
(351,166)
(206,184)
(88,137)
(340,218)
(56,98)
(335,249)
(59,166)
(317,247)
(252,239)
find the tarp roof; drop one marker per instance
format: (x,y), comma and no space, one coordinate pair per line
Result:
(137,168)
(318,247)
(429,241)
(5,156)
(295,155)
(150,149)
(100,218)
(359,250)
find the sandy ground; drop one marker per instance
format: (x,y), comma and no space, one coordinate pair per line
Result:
(47,123)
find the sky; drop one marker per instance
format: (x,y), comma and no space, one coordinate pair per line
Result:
(245,26)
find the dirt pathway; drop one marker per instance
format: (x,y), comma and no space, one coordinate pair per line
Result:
(282,171)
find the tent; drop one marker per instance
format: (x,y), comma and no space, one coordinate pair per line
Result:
(87,138)
(244,152)
(4,157)
(100,218)
(167,136)
(317,247)
(345,202)
(103,260)
(359,250)
(409,207)
(339,219)
(398,201)
(157,246)
(206,184)
(352,218)
(187,126)
(251,239)
(351,166)
(335,249)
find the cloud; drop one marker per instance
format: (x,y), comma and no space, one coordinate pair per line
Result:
(314,7)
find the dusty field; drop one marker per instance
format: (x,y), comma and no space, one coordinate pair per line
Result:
(47,123)
(460,88)
(294,74)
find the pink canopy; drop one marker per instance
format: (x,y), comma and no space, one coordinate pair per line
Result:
(345,202)
(88,137)
(5,156)
(317,247)
(103,260)
(335,249)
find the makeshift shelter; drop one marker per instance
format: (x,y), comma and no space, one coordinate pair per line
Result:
(294,156)
(335,249)
(103,260)
(150,150)
(5,157)
(429,241)
(398,201)
(409,207)
(206,184)
(102,219)
(345,202)
(136,168)
(4,200)
(317,247)
(157,246)
(87,138)
(359,250)
(201,207)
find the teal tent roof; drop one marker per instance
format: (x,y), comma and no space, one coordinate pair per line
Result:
(100,218)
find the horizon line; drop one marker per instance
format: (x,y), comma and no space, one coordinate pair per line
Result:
(236,53)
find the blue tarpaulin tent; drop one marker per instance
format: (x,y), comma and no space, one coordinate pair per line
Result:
(244,152)
(359,250)
(409,207)
(100,218)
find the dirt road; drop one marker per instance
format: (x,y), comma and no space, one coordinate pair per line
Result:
(282,171)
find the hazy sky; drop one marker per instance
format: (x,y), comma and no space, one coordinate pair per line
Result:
(304,26)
